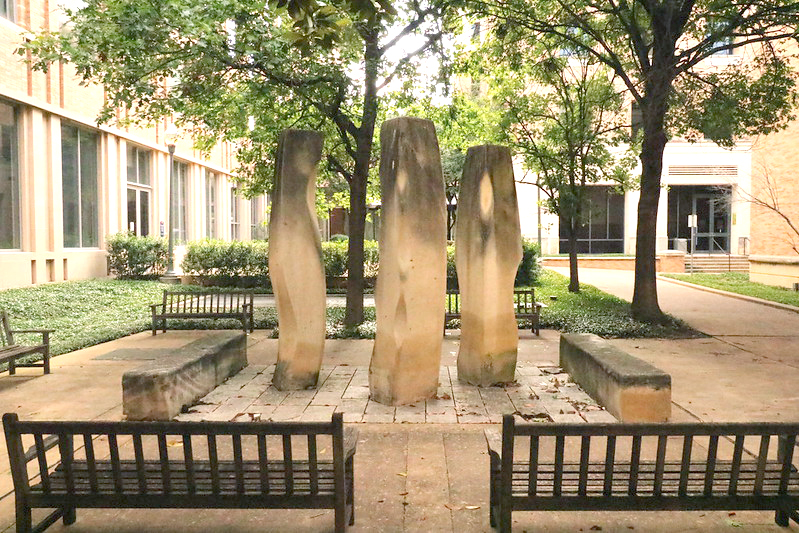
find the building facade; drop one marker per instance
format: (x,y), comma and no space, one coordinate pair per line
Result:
(67,183)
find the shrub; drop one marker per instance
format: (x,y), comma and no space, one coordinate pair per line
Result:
(528,271)
(234,263)
(334,258)
(338,238)
(133,257)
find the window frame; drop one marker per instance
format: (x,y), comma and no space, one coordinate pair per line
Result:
(235,222)
(140,188)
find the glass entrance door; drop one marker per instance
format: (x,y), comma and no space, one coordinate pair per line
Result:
(712,223)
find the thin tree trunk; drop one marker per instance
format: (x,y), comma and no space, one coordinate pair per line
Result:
(645,297)
(360,177)
(574,280)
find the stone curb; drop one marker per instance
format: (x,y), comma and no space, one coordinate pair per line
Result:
(769,303)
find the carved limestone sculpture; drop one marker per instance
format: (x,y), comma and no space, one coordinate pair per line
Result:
(295,261)
(487,253)
(411,282)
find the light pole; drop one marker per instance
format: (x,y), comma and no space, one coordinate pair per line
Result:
(170,135)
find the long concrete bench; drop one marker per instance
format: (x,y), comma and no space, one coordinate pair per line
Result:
(161,388)
(632,390)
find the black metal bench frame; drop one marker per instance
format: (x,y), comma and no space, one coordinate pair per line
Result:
(10,351)
(204,304)
(524,306)
(249,479)
(640,484)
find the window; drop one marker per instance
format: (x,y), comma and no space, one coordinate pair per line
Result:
(138,190)
(603,229)
(257,226)
(210,204)
(79,187)
(234,214)
(180,172)
(9,177)
(7,9)
(476,32)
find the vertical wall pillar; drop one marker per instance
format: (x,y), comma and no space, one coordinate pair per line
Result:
(412,280)
(295,262)
(488,249)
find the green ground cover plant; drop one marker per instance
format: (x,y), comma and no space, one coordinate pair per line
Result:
(85,313)
(739,283)
(594,311)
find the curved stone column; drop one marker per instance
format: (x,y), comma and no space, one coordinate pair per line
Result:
(487,253)
(412,279)
(295,261)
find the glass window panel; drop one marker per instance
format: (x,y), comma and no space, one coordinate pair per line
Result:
(88,189)
(210,205)
(133,174)
(70,186)
(144,167)
(7,9)
(9,178)
(234,214)
(702,214)
(132,225)
(144,213)
(615,216)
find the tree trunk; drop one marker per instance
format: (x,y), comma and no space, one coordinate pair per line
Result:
(360,177)
(645,297)
(574,280)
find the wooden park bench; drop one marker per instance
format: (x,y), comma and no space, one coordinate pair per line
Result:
(237,465)
(10,351)
(204,304)
(524,304)
(642,467)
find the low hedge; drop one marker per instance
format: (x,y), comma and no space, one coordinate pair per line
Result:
(246,263)
(133,257)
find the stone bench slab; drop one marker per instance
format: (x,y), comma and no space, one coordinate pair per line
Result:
(161,388)
(629,388)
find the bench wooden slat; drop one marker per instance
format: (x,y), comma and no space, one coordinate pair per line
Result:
(138,452)
(263,461)
(237,463)
(213,462)
(585,451)
(113,450)
(787,450)
(688,443)
(610,459)
(41,452)
(288,464)
(660,464)
(91,464)
(735,470)
(635,458)
(533,470)
(712,450)
(762,457)
(313,467)
(188,459)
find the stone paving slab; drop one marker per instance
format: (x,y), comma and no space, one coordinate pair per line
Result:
(542,393)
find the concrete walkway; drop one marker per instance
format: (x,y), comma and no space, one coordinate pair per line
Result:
(433,477)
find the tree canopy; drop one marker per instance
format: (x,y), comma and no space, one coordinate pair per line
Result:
(664,53)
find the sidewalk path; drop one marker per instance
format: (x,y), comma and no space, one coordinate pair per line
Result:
(746,370)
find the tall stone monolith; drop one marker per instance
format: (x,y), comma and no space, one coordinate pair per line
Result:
(487,253)
(411,283)
(295,261)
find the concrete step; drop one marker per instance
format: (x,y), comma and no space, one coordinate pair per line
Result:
(712,263)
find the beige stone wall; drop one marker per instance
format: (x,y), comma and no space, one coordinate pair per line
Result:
(774,270)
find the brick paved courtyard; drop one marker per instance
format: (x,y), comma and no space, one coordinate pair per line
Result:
(542,392)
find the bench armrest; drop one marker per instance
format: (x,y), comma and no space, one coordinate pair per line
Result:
(350,442)
(153,306)
(32,331)
(494,442)
(540,305)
